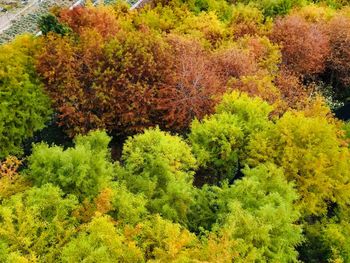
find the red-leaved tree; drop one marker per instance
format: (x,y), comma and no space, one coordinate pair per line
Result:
(305,46)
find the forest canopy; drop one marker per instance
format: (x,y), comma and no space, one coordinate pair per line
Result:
(182,131)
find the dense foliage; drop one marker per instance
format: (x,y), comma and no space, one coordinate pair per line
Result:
(195,131)
(24,107)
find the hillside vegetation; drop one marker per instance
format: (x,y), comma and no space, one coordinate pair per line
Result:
(183,131)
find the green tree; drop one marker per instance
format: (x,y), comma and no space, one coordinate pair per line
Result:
(49,23)
(24,107)
(83,170)
(219,140)
(261,216)
(160,166)
(128,207)
(255,217)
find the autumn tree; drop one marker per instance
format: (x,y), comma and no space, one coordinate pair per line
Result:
(292,91)
(36,223)
(248,20)
(312,154)
(11,182)
(101,19)
(339,59)
(104,84)
(305,46)
(191,87)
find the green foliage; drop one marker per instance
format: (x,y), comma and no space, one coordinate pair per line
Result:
(244,73)
(327,239)
(252,113)
(160,166)
(346,128)
(83,170)
(260,215)
(49,23)
(218,140)
(100,241)
(24,107)
(163,241)
(272,8)
(279,7)
(257,214)
(310,151)
(128,207)
(36,223)
(221,7)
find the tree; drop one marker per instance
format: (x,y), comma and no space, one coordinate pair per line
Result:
(190,87)
(161,167)
(254,219)
(11,182)
(260,216)
(24,107)
(81,19)
(248,20)
(101,241)
(234,62)
(339,60)
(311,152)
(36,223)
(216,142)
(164,241)
(294,94)
(104,84)
(82,170)
(49,23)
(305,46)
(219,140)
(127,207)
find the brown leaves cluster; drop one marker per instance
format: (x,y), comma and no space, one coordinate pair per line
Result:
(9,167)
(339,59)
(190,89)
(305,46)
(124,79)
